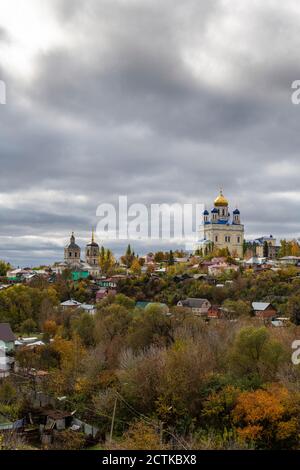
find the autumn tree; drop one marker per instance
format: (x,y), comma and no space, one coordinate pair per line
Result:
(255,354)
(106,260)
(135,266)
(269,418)
(28,326)
(50,327)
(141,436)
(84,325)
(151,326)
(236,308)
(293,308)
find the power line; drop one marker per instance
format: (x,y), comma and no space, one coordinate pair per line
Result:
(150,422)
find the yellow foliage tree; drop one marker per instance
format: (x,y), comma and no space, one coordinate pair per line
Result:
(269,418)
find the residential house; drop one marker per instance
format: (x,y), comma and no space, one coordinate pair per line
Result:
(101,294)
(290,260)
(68,304)
(198,306)
(214,312)
(220,268)
(74,304)
(7,338)
(264,310)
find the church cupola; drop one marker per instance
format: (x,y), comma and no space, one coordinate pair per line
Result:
(205,216)
(214,215)
(72,251)
(236,217)
(221,204)
(221,201)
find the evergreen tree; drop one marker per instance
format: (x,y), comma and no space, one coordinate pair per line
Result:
(171,258)
(266,250)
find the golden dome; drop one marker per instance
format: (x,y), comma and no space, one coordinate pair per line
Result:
(221,200)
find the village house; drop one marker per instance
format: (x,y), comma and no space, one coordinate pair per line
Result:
(74,304)
(7,338)
(290,260)
(197,306)
(264,310)
(217,269)
(214,313)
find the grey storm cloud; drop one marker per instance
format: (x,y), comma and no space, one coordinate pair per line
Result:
(161,101)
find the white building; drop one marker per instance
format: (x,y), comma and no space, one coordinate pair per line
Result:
(220,230)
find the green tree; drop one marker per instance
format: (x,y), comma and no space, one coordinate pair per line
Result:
(171,258)
(28,326)
(151,326)
(84,326)
(255,354)
(293,308)
(266,249)
(236,308)
(4,267)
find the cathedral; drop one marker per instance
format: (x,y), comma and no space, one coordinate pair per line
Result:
(72,255)
(220,230)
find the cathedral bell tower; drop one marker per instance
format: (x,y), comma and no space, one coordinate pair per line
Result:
(92,252)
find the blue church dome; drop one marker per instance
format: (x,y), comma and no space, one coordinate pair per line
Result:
(206,212)
(214,210)
(236,211)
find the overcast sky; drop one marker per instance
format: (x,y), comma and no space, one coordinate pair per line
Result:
(161,100)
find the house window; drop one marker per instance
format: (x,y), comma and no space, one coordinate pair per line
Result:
(216,238)
(70,254)
(75,255)
(238,239)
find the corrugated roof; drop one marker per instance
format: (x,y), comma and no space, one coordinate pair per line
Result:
(193,303)
(70,303)
(260,305)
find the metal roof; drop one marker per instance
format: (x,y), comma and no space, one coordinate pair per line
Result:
(260,305)
(193,303)
(70,303)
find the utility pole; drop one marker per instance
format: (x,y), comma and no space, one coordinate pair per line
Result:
(161,433)
(113,420)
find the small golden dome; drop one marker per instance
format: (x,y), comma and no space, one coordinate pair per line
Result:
(221,200)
